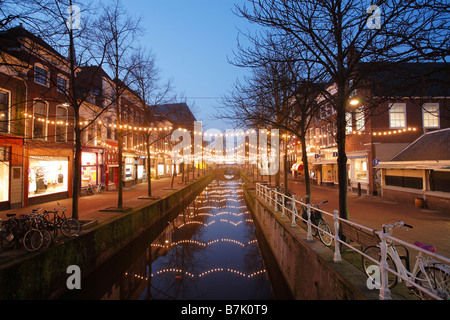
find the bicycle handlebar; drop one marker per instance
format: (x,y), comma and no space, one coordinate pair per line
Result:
(398,224)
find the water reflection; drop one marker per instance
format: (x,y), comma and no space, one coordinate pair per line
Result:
(208,252)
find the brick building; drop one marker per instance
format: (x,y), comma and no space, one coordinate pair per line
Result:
(397,116)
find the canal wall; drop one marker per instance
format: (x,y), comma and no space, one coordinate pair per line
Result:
(307,266)
(43,275)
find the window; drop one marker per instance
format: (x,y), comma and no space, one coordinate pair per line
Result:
(61,128)
(440,181)
(360,121)
(98,138)
(40,75)
(405,182)
(108,128)
(61,84)
(4,111)
(40,120)
(430,112)
(397,115)
(348,120)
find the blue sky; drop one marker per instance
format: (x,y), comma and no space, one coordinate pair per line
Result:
(191,40)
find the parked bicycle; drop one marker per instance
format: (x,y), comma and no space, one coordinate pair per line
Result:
(56,220)
(16,231)
(427,272)
(321,228)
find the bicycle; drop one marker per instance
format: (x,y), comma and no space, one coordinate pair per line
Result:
(69,227)
(428,273)
(23,231)
(322,228)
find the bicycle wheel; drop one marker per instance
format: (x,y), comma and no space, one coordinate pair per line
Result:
(325,234)
(70,227)
(439,282)
(46,239)
(375,253)
(33,239)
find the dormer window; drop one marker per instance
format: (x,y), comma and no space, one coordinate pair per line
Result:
(41,75)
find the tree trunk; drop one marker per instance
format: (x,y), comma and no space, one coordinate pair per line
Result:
(342,159)
(149,172)
(306,168)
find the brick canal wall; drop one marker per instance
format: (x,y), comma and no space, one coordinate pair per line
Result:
(307,266)
(43,275)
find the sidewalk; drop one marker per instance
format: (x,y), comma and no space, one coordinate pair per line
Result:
(90,206)
(429,227)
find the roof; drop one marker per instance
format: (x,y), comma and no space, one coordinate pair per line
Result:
(421,79)
(10,38)
(431,146)
(177,113)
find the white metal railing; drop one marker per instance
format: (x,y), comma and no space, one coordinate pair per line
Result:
(288,207)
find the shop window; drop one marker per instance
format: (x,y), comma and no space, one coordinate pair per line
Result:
(40,112)
(397,116)
(4,111)
(4,173)
(61,120)
(430,112)
(89,169)
(440,181)
(360,166)
(47,175)
(404,182)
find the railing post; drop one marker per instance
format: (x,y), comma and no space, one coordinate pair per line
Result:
(276,201)
(308,223)
(270,197)
(337,252)
(283,205)
(385,293)
(293,210)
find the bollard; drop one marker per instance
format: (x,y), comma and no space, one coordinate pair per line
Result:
(359,189)
(337,252)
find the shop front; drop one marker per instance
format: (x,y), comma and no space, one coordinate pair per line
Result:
(111,164)
(297,170)
(92,168)
(48,178)
(4,177)
(358,173)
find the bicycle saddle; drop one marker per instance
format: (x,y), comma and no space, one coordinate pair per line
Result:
(425,246)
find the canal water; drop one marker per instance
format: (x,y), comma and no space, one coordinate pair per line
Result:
(209,251)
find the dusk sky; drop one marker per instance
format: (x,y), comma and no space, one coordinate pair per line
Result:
(191,40)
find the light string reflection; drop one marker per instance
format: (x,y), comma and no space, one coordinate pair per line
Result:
(180,272)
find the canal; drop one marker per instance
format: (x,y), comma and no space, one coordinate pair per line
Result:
(211,250)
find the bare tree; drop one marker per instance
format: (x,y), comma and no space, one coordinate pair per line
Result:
(117,32)
(340,35)
(152,92)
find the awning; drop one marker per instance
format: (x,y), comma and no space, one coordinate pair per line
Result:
(297,166)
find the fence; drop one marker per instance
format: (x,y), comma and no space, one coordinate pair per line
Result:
(382,240)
